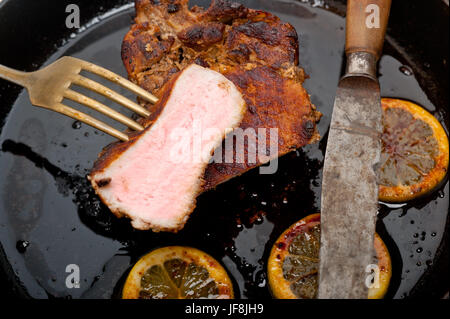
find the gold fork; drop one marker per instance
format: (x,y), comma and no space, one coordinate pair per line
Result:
(49,86)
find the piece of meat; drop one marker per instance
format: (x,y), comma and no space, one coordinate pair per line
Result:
(254,49)
(272,102)
(155,177)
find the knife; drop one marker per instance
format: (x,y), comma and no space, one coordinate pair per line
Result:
(349,199)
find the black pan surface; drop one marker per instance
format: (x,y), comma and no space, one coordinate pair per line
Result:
(50,218)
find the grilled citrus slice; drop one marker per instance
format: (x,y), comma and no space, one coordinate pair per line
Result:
(414,157)
(294,261)
(177,272)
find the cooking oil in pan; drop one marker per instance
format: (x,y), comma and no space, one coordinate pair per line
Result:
(56,219)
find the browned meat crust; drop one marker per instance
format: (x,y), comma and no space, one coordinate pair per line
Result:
(254,49)
(164,40)
(272,102)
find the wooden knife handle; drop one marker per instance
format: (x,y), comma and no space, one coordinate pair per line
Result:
(366,26)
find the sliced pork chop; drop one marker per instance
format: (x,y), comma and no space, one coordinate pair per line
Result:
(155,177)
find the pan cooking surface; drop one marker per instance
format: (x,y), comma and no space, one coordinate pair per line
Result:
(50,218)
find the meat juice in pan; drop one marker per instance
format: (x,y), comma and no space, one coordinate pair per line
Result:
(56,219)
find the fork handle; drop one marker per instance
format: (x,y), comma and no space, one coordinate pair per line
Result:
(15,76)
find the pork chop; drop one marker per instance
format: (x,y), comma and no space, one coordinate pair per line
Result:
(155,177)
(254,49)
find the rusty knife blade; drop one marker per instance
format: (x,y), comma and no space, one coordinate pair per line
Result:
(349,201)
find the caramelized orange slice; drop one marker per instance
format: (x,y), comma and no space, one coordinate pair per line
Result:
(294,261)
(414,157)
(177,272)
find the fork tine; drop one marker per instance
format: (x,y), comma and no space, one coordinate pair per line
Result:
(67,110)
(119,80)
(103,90)
(93,104)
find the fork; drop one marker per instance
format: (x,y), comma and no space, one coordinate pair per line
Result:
(48,87)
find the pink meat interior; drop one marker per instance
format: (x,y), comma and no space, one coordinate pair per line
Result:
(156,180)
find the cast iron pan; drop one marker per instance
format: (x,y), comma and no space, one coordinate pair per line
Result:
(50,218)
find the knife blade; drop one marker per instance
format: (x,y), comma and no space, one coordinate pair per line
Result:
(349,199)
